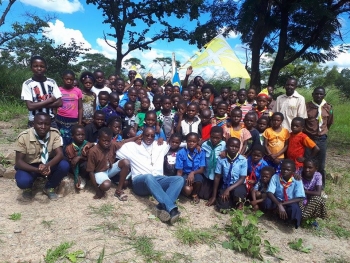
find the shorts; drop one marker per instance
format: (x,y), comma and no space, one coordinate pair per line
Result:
(100,177)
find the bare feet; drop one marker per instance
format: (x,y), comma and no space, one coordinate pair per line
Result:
(99,194)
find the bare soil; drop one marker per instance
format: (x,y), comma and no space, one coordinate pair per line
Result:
(45,224)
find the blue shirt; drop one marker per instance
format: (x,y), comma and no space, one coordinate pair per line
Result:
(211,156)
(262,163)
(124,100)
(295,190)
(184,162)
(157,135)
(231,172)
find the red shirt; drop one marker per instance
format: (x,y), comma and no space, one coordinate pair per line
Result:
(296,147)
(206,131)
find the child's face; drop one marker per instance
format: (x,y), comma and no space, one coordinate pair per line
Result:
(309,169)
(276,121)
(168,91)
(157,104)
(129,110)
(103,100)
(68,81)
(120,86)
(287,171)
(270,90)
(38,68)
(159,91)
(175,143)
(104,141)
(114,101)
(205,118)
(154,84)
(262,125)
(242,96)
(198,94)
(236,117)
(249,121)
(176,90)
(88,84)
(137,85)
(131,133)
(215,138)
(150,120)
(251,94)
(99,121)
(182,108)
(221,110)
(142,94)
(203,104)
(100,79)
(318,95)
(206,94)
(296,126)
(225,94)
(167,105)
(233,97)
(76,83)
(290,87)
(79,136)
(132,74)
(145,104)
(214,104)
(233,147)
(261,101)
(186,95)
(113,87)
(257,156)
(265,177)
(116,127)
(112,78)
(191,111)
(192,142)
(191,89)
(132,95)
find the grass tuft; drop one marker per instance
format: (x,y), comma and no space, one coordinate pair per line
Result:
(15,216)
(194,236)
(104,211)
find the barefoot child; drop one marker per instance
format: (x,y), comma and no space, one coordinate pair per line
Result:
(190,165)
(233,171)
(284,193)
(258,192)
(170,157)
(77,155)
(101,165)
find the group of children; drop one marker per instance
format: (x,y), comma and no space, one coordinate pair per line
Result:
(234,145)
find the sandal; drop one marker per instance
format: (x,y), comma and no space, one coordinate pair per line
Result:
(195,199)
(120,195)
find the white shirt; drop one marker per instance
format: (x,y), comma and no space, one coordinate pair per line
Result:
(97,91)
(144,159)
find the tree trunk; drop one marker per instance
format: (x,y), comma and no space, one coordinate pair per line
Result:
(120,56)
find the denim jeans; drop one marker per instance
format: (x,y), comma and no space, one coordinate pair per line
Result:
(26,179)
(321,142)
(165,189)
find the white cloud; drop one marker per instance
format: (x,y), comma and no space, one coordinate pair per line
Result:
(62,6)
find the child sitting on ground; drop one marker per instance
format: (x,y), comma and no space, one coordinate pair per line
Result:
(76,153)
(284,193)
(91,130)
(255,163)
(212,148)
(258,192)
(232,170)
(115,125)
(170,157)
(190,165)
(298,141)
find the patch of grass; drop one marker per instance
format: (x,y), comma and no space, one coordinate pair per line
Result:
(335,259)
(61,252)
(11,108)
(106,227)
(101,256)
(194,236)
(3,161)
(47,223)
(339,231)
(298,246)
(145,248)
(15,216)
(104,210)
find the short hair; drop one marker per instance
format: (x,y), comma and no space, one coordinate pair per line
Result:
(232,139)
(299,119)
(222,103)
(217,129)
(264,118)
(150,112)
(252,114)
(168,85)
(68,72)
(183,90)
(319,87)
(129,103)
(176,96)
(132,89)
(223,88)
(204,100)
(157,97)
(98,71)
(241,90)
(103,93)
(193,104)
(208,86)
(236,109)
(277,114)
(46,115)
(269,169)
(126,130)
(154,79)
(292,78)
(99,112)
(314,161)
(119,79)
(165,97)
(113,95)
(259,148)
(86,75)
(105,130)
(289,161)
(111,121)
(37,58)
(182,102)
(176,135)
(76,127)
(192,134)
(208,112)
(139,80)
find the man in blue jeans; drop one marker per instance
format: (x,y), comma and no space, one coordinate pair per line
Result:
(146,162)
(39,153)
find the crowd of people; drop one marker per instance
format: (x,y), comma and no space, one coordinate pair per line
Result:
(229,148)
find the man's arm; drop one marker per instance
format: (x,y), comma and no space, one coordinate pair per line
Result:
(22,165)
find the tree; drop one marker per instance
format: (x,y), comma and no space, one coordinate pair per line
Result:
(123,16)
(34,24)
(343,82)
(166,62)
(290,29)
(92,62)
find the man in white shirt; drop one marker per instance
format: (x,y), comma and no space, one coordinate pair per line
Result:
(146,161)
(291,104)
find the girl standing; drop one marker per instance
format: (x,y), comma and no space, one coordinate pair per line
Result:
(170,157)
(71,112)
(88,100)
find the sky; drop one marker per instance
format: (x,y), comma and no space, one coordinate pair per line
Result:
(76,19)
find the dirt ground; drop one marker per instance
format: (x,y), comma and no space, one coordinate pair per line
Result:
(78,218)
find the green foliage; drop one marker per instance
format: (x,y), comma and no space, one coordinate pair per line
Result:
(61,252)
(270,250)
(194,236)
(339,231)
(15,216)
(298,246)
(145,248)
(244,233)
(101,256)
(47,223)
(92,62)
(104,210)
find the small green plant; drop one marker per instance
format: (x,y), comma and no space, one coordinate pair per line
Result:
(61,252)
(106,227)
(3,161)
(101,256)
(243,232)
(339,231)
(145,248)
(15,216)
(105,210)
(298,246)
(194,236)
(337,260)
(47,223)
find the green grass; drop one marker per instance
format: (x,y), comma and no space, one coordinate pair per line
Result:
(191,237)
(107,227)
(104,210)
(11,108)
(54,254)
(47,223)
(144,246)
(15,216)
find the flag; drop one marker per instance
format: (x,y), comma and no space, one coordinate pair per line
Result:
(176,78)
(219,53)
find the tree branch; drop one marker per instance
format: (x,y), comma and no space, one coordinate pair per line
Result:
(2,19)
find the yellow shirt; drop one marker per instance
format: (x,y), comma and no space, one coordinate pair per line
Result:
(276,140)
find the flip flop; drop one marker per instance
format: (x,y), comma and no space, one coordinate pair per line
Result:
(121,196)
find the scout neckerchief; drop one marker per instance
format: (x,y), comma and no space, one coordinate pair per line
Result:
(43,142)
(117,138)
(260,112)
(191,157)
(252,175)
(319,112)
(79,150)
(227,178)
(285,186)
(240,105)
(212,157)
